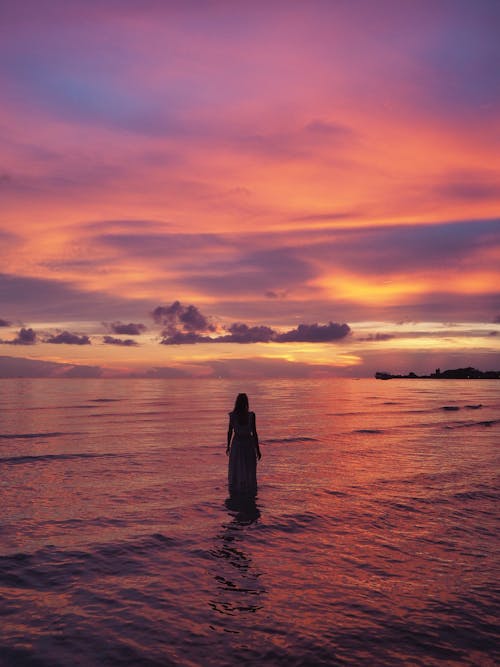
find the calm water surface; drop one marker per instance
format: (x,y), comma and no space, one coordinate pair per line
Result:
(372,541)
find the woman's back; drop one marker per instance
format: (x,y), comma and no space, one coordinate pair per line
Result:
(242,424)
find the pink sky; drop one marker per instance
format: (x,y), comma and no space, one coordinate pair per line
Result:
(287,167)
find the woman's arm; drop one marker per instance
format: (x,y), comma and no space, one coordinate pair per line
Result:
(229,436)
(256,439)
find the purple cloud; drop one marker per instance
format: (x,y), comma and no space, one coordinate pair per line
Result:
(156,244)
(24,337)
(4,323)
(29,298)
(128,342)
(254,270)
(185,338)
(67,338)
(12,367)
(385,250)
(469,186)
(187,326)
(242,333)
(315,333)
(177,318)
(129,329)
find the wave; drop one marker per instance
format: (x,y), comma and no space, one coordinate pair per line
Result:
(51,568)
(16,460)
(133,415)
(477,495)
(41,408)
(21,436)
(368,430)
(485,423)
(291,439)
(295,523)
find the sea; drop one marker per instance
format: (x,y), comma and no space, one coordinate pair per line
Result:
(373,539)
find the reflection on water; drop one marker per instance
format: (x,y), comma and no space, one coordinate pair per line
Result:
(238,587)
(244,510)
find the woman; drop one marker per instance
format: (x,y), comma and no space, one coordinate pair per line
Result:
(243,449)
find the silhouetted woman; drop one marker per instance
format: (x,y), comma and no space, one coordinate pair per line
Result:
(243,449)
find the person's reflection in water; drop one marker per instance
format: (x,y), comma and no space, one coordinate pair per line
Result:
(245,508)
(239,590)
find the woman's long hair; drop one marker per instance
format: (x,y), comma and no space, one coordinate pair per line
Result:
(241,408)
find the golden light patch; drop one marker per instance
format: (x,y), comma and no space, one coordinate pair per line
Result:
(365,291)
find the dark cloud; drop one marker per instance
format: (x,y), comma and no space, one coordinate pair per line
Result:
(469,187)
(497,320)
(159,244)
(242,333)
(67,338)
(178,318)
(315,333)
(24,337)
(185,338)
(4,323)
(43,299)
(12,367)
(376,337)
(439,306)
(193,320)
(390,249)
(187,326)
(130,329)
(254,271)
(127,342)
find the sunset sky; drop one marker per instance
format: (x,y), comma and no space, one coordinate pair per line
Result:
(227,188)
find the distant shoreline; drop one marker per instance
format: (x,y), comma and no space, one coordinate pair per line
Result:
(450,374)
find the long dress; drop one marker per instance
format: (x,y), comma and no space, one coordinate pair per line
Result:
(242,469)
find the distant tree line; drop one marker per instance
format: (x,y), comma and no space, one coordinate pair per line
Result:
(468,373)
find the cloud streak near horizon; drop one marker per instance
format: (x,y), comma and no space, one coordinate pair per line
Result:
(288,168)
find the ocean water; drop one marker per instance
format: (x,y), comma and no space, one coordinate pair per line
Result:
(373,539)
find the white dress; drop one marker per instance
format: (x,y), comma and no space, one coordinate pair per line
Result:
(242,470)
